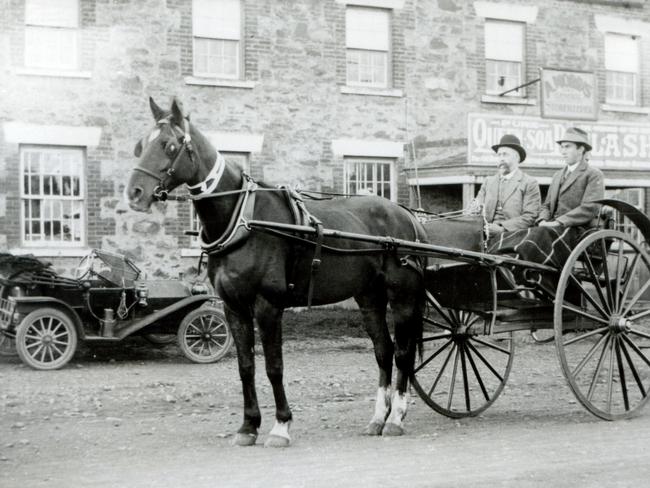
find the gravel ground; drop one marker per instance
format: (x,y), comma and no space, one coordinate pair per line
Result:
(132,415)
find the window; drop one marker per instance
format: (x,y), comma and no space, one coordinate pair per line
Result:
(622,68)
(216,27)
(370,176)
(367,38)
(635,197)
(51,34)
(52,192)
(239,159)
(504,57)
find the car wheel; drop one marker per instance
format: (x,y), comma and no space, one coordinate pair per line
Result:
(204,335)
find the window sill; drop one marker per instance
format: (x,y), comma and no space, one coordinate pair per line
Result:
(379,92)
(52,73)
(194,80)
(44,252)
(633,109)
(508,100)
(191,252)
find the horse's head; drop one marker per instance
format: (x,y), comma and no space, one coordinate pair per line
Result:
(167,158)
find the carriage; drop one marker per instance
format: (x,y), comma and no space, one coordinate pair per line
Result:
(270,249)
(44,316)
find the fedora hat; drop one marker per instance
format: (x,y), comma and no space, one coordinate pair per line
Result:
(511,141)
(577,136)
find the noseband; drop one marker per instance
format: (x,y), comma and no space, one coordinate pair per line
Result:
(161,192)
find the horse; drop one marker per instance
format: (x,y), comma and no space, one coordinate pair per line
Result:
(258,274)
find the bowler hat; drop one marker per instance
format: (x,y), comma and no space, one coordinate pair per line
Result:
(577,136)
(511,141)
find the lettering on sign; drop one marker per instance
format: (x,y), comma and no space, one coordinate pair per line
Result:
(615,145)
(568,94)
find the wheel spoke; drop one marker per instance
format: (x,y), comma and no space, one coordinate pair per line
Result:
(636,349)
(485,361)
(608,283)
(433,356)
(442,369)
(635,373)
(436,337)
(619,270)
(429,320)
(591,300)
(636,297)
(621,374)
(491,345)
(452,379)
(434,303)
(628,280)
(596,282)
(37,351)
(585,336)
(592,386)
(645,335)
(588,356)
(578,311)
(610,374)
(463,364)
(58,351)
(639,315)
(477,374)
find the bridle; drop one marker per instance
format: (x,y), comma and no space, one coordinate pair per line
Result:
(161,192)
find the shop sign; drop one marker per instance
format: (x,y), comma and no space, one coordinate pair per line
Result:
(568,94)
(615,144)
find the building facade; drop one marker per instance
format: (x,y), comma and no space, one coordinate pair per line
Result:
(401,98)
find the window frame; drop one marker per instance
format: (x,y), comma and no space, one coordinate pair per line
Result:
(636,82)
(522,92)
(387,53)
(24,149)
(364,160)
(50,26)
(239,63)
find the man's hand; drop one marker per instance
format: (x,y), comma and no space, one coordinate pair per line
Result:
(494,229)
(549,223)
(474,207)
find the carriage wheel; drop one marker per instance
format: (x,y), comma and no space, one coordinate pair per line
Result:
(7,345)
(46,339)
(204,335)
(601,324)
(462,372)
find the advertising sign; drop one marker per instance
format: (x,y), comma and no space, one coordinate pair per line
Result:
(568,94)
(615,144)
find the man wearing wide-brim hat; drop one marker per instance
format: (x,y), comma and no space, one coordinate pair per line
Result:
(574,187)
(511,199)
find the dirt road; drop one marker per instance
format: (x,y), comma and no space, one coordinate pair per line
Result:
(140,417)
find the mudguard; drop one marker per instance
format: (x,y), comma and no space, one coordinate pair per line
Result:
(25,305)
(637,217)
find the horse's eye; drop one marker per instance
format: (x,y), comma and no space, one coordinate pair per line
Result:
(170,149)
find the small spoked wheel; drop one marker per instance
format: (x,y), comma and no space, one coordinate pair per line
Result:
(462,371)
(602,326)
(204,335)
(46,339)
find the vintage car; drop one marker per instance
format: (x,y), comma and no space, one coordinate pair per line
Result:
(44,316)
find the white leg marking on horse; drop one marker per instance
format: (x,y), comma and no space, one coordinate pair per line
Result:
(382,408)
(279,435)
(399,404)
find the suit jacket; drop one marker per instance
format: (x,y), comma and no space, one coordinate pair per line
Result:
(568,203)
(521,200)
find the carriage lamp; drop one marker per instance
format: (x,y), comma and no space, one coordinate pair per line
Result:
(199,289)
(142,292)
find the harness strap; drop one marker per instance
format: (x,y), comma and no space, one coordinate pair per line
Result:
(316,260)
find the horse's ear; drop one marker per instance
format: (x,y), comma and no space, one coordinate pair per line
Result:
(177,113)
(157,112)
(137,150)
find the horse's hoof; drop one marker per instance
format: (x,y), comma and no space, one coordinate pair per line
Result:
(277,441)
(391,429)
(373,428)
(244,439)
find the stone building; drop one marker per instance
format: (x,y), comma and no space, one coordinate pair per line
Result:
(397,97)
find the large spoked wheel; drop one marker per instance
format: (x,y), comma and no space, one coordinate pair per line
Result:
(602,324)
(462,372)
(204,335)
(46,339)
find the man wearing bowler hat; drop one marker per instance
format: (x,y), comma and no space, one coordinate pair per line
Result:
(574,186)
(511,198)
